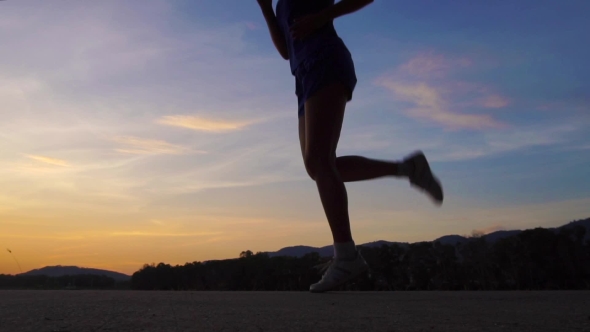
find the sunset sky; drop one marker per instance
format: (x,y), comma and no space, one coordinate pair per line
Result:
(134,132)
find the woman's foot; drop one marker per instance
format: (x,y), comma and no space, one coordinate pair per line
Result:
(339,272)
(421,176)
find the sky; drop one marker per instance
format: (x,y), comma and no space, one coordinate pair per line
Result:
(136,132)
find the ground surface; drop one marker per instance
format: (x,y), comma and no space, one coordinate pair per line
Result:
(69,311)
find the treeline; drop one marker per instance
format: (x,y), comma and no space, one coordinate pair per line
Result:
(82,281)
(537,259)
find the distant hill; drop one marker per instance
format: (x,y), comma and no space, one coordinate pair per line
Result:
(584,223)
(451,239)
(299,251)
(498,235)
(58,271)
(490,237)
(327,251)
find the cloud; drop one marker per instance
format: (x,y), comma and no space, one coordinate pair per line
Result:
(494,101)
(455,121)
(433,106)
(158,234)
(50,161)
(427,65)
(157,222)
(252,25)
(424,84)
(421,94)
(19,87)
(202,124)
(504,141)
(135,145)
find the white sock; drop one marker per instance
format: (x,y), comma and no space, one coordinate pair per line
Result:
(345,250)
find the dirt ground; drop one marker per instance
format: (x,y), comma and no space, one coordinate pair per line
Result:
(69,311)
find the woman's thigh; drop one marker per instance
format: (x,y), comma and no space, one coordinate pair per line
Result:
(324,84)
(320,127)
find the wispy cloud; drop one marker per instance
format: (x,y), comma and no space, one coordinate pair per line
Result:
(158,234)
(252,25)
(494,101)
(430,104)
(202,124)
(48,160)
(19,87)
(423,83)
(141,146)
(504,141)
(157,222)
(431,65)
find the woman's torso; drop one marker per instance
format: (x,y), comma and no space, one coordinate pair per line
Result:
(299,50)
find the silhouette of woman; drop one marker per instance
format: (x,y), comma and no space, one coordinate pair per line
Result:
(303,33)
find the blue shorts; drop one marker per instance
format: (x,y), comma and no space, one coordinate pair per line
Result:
(333,64)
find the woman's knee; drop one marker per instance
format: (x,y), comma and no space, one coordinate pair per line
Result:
(318,165)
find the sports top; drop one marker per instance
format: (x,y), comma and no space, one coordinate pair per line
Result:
(289,10)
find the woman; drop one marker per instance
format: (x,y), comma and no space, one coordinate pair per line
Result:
(303,33)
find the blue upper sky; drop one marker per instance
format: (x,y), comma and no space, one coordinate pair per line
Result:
(167,130)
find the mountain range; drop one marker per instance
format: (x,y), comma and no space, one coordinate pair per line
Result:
(299,251)
(326,251)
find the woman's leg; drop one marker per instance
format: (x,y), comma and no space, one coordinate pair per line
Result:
(324,113)
(357,168)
